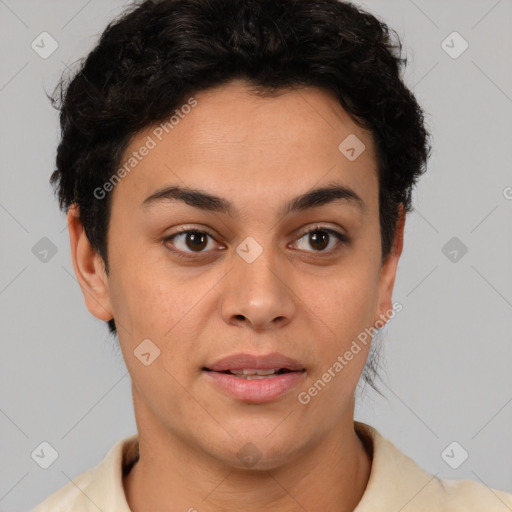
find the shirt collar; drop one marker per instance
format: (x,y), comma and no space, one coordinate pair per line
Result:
(395,479)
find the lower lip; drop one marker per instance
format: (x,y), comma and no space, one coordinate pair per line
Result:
(256,390)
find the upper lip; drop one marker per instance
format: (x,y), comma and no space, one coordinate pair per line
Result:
(244,361)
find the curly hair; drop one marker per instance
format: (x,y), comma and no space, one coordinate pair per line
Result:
(159,52)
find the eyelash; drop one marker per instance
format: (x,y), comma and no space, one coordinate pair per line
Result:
(341,238)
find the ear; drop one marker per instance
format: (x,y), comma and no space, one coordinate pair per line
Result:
(388,272)
(89,268)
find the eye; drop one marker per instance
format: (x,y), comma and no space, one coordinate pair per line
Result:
(321,237)
(189,241)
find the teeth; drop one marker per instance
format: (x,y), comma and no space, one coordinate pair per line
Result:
(253,377)
(251,372)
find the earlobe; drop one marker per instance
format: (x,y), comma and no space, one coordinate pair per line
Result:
(89,268)
(388,273)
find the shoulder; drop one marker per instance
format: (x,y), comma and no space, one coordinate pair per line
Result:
(98,488)
(468,495)
(398,483)
(70,496)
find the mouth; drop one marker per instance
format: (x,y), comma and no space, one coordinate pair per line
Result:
(254,374)
(255,379)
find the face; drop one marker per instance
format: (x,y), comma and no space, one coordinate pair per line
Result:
(256,265)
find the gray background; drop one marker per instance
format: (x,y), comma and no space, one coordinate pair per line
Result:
(447,354)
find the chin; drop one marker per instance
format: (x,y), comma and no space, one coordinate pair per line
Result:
(260,452)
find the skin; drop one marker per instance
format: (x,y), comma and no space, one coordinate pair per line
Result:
(258,153)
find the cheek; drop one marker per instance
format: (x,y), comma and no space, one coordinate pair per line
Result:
(347,303)
(136,289)
(153,307)
(166,306)
(150,302)
(345,307)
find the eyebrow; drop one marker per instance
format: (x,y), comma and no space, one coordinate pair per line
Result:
(208,202)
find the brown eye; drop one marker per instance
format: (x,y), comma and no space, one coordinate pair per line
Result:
(196,240)
(320,238)
(189,241)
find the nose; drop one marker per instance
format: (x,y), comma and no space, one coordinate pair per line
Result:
(258,292)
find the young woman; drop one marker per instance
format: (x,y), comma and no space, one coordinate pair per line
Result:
(236,176)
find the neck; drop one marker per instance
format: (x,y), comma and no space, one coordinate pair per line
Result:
(331,476)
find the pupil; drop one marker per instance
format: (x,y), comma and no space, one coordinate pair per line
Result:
(323,238)
(198,240)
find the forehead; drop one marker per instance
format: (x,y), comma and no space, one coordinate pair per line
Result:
(241,143)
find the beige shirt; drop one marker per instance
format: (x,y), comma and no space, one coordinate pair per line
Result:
(396,483)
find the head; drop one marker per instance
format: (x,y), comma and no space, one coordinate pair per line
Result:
(254,104)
